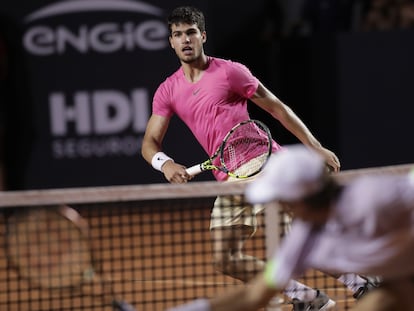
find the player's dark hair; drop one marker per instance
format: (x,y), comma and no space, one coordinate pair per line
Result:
(187,15)
(324,197)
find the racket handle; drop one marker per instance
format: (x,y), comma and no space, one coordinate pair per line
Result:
(194,170)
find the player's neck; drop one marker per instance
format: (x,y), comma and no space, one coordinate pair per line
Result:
(194,71)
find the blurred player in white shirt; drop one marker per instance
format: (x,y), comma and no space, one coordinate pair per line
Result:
(364,227)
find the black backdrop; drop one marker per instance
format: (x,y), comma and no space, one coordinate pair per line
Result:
(81,79)
(75,113)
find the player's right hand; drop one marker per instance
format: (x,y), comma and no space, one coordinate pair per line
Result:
(175,173)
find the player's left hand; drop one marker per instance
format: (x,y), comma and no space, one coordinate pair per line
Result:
(331,159)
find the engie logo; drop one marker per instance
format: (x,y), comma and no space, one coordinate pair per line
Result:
(108,37)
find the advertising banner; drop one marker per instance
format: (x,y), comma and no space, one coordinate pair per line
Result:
(89,69)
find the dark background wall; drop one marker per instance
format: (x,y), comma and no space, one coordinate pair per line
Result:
(351,87)
(353,90)
(375,98)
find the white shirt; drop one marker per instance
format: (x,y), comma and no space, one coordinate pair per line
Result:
(370,232)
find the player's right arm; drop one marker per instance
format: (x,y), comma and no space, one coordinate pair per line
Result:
(152,146)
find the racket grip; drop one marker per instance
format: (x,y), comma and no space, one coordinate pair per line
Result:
(194,170)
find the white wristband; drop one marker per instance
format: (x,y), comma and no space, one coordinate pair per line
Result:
(159,159)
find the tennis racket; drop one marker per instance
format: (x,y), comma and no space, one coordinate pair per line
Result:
(243,152)
(49,246)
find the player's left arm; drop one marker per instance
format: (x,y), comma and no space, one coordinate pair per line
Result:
(252,296)
(287,117)
(249,297)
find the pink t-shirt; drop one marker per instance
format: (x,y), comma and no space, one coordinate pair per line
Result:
(211,106)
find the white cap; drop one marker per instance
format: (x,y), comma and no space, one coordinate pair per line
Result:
(290,174)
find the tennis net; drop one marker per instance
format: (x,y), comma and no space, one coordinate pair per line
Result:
(151,243)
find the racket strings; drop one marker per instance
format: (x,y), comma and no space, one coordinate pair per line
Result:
(246,143)
(252,166)
(48,250)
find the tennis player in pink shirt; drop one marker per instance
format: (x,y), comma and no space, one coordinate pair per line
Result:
(210,96)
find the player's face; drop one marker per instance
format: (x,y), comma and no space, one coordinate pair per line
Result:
(187,42)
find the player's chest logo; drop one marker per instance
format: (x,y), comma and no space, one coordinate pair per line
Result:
(195,91)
